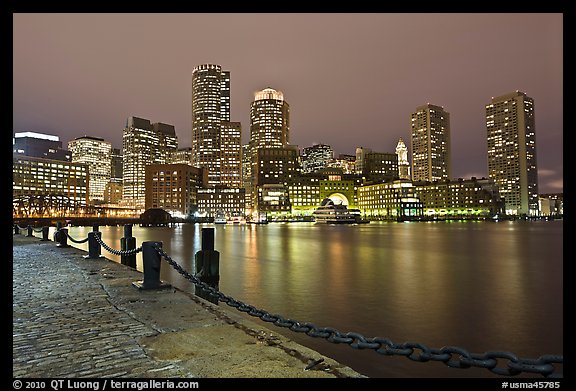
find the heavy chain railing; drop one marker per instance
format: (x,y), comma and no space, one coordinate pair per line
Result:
(452,356)
(37,230)
(117,252)
(75,240)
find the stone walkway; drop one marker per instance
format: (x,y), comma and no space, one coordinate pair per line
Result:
(74,317)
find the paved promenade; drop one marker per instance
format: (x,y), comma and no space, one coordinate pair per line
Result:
(74,317)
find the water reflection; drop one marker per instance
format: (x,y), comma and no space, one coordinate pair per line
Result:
(481,286)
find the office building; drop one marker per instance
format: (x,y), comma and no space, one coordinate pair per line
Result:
(48,187)
(231,154)
(116,166)
(143,143)
(430,143)
(316,157)
(376,166)
(96,153)
(221,201)
(394,200)
(40,145)
(511,137)
(174,188)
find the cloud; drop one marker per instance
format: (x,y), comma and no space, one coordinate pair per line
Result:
(546,172)
(556,184)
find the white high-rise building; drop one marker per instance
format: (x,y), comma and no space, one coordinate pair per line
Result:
(403,164)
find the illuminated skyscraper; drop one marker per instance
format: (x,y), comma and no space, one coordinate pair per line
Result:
(39,145)
(270,129)
(430,141)
(215,139)
(403,165)
(269,120)
(96,153)
(511,139)
(143,143)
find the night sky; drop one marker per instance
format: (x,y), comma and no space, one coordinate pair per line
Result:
(350,79)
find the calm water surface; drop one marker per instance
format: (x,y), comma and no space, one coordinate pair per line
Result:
(481,286)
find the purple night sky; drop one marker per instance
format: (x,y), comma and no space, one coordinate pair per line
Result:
(350,79)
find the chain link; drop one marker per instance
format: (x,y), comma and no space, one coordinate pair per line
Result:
(117,252)
(37,230)
(452,356)
(74,240)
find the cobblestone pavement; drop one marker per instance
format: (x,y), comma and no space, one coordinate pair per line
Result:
(64,324)
(75,317)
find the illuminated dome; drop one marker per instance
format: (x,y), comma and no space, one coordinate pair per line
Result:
(269,93)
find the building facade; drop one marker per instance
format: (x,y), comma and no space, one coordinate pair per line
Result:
(460,199)
(316,157)
(116,166)
(430,143)
(394,200)
(221,201)
(215,140)
(376,166)
(181,156)
(40,145)
(143,143)
(174,188)
(96,153)
(511,141)
(47,187)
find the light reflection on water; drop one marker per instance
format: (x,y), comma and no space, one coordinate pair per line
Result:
(477,285)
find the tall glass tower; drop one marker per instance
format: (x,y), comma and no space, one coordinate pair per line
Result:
(215,140)
(430,140)
(511,137)
(96,153)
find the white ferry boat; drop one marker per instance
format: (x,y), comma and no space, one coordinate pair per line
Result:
(330,213)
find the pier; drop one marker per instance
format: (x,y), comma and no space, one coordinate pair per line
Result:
(80,317)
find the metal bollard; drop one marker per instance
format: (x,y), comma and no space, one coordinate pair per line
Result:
(94,250)
(128,243)
(57,233)
(207,262)
(30,232)
(16,229)
(151,260)
(62,238)
(45,232)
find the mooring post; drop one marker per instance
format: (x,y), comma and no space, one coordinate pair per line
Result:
(16,229)
(151,262)
(62,238)
(30,232)
(207,262)
(94,249)
(56,234)
(128,243)
(45,232)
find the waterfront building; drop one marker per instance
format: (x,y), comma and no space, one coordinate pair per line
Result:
(403,164)
(316,157)
(376,166)
(460,199)
(221,201)
(143,143)
(274,200)
(394,200)
(269,129)
(552,204)
(96,153)
(40,145)
(48,187)
(511,140)
(174,187)
(304,193)
(430,143)
(113,193)
(215,140)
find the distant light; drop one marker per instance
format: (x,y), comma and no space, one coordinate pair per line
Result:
(36,135)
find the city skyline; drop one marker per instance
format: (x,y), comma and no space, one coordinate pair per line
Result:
(340,93)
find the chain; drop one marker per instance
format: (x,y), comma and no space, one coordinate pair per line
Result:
(452,356)
(117,252)
(74,240)
(37,230)
(21,228)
